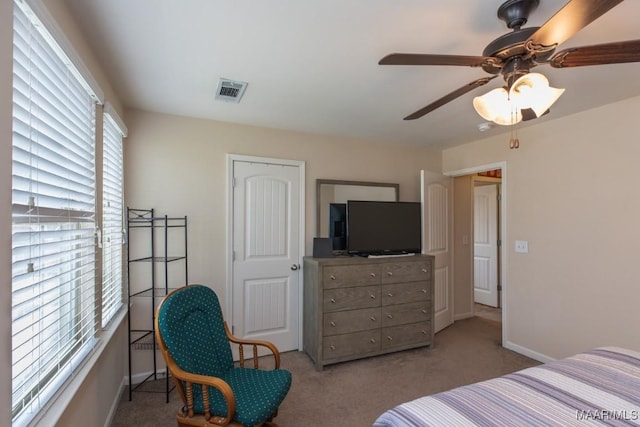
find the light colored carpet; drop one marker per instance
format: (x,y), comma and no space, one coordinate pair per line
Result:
(487,312)
(355,393)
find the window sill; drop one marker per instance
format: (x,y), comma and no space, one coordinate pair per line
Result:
(51,414)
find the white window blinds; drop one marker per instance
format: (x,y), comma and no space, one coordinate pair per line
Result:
(53,232)
(112,216)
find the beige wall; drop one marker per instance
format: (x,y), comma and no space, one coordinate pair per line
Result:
(178,166)
(572,192)
(102,386)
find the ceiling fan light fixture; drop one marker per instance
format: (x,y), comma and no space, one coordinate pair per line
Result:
(513,54)
(530,93)
(495,106)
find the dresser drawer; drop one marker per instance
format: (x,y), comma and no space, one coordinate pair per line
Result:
(406,335)
(351,275)
(351,298)
(399,293)
(406,272)
(358,307)
(400,314)
(357,343)
(341,322)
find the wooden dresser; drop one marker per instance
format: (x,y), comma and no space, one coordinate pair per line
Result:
(359,307)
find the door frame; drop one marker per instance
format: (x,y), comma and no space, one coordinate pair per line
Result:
(504,260)
(229,223)
(496,221)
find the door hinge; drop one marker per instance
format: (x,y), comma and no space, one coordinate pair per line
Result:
(499,242)
(499,197)
(233,255)
(233,181)
(499,288)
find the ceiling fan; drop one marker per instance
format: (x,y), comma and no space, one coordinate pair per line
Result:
(512,55)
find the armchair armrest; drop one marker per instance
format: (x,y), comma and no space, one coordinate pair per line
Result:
(193,380)
(255,344)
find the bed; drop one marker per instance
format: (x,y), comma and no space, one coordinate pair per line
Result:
(597,387)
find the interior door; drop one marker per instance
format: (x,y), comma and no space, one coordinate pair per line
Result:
(266,253)
(485,245)
(436,240)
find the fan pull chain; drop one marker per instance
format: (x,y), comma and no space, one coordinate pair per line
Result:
(514,142)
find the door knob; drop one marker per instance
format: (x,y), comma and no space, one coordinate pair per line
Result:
(294,267)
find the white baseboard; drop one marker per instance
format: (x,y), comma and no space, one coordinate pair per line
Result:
(138,378)
(114,406)
(462,316)
(528,352)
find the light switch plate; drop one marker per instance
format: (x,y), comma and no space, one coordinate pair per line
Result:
(522,246)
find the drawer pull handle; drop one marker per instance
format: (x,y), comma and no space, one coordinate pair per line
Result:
(389,338)
(389,316)
(333,300)
(373,340)
(333,324)
(424,291)
(424,311)
(390,273)
(333,277)
(373,274)
(372,296)
(333,347)
(373,319)
(390,294)
(424,332)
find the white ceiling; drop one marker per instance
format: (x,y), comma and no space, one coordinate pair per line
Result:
(312,66)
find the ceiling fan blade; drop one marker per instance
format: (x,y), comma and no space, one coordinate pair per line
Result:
(607,53)
(573,17)
(427,59)
(450,97)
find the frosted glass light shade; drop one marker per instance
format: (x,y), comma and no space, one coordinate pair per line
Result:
(531,91)
(496,107)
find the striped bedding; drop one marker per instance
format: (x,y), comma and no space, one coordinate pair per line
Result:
(598,387)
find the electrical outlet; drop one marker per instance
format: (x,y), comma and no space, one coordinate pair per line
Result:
(522,246)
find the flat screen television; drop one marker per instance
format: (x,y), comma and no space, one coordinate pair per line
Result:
(380,228)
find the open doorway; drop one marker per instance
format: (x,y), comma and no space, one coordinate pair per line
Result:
(464,242)
(486,243)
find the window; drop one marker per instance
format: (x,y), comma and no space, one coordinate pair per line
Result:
(112,215)
(55,310)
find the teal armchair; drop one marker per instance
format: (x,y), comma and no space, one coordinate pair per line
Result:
(196,344)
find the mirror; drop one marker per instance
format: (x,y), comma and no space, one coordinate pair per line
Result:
(330,191)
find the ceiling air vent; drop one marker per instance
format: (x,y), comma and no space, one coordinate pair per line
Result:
(230,90)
